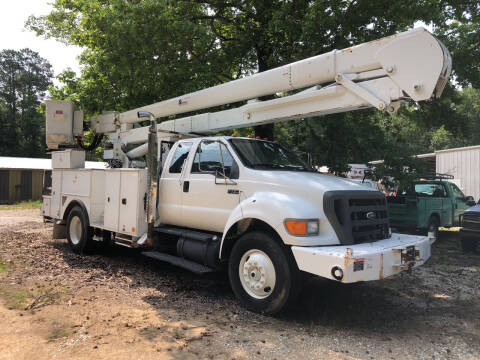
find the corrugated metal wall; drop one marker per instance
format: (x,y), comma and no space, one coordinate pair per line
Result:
(464,165)
(20,185)
(37,183)
(4,177)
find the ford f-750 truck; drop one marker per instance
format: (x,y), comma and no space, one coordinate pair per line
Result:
(247,206)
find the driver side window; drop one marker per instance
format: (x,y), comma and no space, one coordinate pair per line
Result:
(209,158)
(181,154)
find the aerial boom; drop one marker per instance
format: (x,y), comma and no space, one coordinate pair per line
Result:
(412,65)
(415,61)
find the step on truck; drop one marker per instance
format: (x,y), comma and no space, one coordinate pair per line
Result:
(247,206)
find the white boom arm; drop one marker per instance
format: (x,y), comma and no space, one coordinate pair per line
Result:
(415,62)
(382,73)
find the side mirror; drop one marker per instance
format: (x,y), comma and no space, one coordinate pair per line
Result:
(470,201)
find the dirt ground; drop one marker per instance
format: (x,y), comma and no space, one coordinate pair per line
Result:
(120,305)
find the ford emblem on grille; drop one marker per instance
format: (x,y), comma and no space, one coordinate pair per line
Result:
(371,215)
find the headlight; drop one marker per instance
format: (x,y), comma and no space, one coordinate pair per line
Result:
(299,227)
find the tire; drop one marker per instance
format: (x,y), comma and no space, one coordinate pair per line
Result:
(79,234)
(433,225)
(469,244)
(256,254)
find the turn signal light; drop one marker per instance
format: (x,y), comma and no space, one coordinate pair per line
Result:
(302,227)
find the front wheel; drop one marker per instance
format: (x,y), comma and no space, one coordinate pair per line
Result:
(78,231)
(262,275)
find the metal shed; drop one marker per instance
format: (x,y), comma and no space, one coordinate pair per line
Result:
(21,179)
(464,165)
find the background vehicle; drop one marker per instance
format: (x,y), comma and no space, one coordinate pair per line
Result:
(470,228)
(248,206)
(431,203)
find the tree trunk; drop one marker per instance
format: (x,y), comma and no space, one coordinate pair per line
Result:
(263,131)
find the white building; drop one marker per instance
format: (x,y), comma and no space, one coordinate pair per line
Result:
(464,165)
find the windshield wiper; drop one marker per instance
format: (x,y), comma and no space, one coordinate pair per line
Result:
(282,167)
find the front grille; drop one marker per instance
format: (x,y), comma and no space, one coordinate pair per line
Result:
(471,221)
(357,216)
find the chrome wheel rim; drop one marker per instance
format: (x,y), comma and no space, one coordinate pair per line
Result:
(257,274)
(75,230)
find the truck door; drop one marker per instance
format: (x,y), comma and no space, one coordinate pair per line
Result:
(208,199)
(170,191)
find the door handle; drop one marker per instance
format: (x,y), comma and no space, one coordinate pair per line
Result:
(186,186)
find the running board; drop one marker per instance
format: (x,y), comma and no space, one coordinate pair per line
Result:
(178,261)
(187,233)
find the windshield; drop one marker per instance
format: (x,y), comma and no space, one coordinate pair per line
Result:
(430,189)
(259,154)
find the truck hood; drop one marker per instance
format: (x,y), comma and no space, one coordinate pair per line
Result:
(311,181)
(474,209)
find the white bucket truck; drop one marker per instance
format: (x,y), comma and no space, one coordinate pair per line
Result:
(245,205)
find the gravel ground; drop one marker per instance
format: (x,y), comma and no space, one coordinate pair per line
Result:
(121,305)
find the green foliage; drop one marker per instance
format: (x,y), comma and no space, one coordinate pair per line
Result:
(24,79)
(442,139)
(397,171)
(140,52)
(461,36)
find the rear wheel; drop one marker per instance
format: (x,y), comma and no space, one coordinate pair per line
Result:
(78,231)
(433,225)
(262,276)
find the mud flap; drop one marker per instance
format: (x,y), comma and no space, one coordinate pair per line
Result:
(59,231)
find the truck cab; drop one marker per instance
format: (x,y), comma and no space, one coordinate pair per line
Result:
(212,183)
(430,203)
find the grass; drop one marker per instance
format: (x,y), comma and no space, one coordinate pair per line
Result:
(23,205)
(57,333)
(20,298)
(446,268)
(15,298)
(4,267)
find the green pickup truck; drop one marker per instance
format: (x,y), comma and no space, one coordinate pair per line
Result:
(429,204)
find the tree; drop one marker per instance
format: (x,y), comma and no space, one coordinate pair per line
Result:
(461,36)
(139,52)
(24,79)
(136,52)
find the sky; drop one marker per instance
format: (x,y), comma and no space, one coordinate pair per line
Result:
(13,35)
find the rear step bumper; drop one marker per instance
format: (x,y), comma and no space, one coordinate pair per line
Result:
(364,262)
